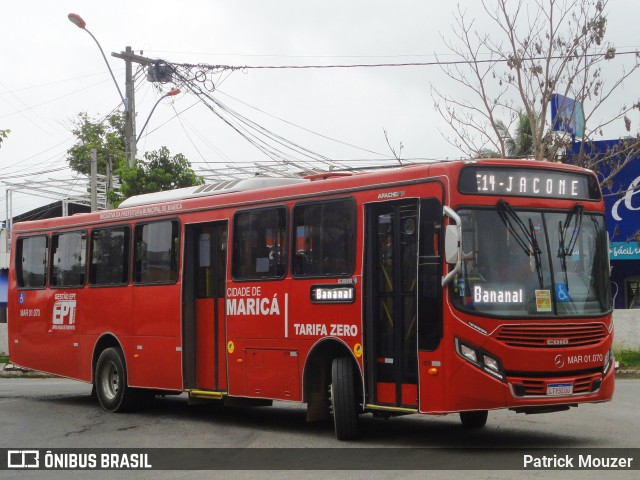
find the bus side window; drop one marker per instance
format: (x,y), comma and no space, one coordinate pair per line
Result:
(325,241)
(31,261)
(68,262)
(259,244)
(109,256)
(156,251)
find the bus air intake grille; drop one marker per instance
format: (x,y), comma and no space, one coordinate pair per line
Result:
(537,387)
(551,336)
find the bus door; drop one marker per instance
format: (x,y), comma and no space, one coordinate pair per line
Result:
(391,303)
(204,279)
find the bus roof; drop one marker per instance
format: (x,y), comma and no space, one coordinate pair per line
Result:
(227,186)
(316,184)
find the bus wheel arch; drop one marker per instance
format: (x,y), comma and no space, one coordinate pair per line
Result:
(105,341)
(319,375)
(110,380)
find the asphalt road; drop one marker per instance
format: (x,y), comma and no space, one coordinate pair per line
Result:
(59,414)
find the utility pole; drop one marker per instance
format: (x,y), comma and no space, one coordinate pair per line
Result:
(109,183)
(130,147)
(130,113)
(94,179)
(9,224)
(130,143)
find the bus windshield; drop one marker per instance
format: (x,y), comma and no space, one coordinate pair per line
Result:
(526,263)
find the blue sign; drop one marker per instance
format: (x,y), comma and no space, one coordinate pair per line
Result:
(621,196)
(627,201)
(622,201)
(562,294)
(624,251)
(567,115)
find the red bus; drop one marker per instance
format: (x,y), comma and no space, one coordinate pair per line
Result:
(448,287)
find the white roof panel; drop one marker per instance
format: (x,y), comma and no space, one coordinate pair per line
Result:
(228,186)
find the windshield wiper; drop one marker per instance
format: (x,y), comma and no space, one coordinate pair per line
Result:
(525,238)
(566,248)
(537,253)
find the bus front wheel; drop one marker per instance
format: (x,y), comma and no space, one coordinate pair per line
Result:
(111,382)
(343,399)
(474,419)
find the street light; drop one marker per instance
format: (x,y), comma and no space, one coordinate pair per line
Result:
(129,103)
(171,93)
(80,23)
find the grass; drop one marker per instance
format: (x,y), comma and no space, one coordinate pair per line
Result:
(628,358)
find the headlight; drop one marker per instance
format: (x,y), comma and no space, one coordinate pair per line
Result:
(468,353)
(491,363)
(481,359)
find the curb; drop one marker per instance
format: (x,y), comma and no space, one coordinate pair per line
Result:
(628,373)
(9,370)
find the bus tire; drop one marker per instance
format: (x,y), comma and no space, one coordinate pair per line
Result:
(343,399)
(474,419)
(111,382)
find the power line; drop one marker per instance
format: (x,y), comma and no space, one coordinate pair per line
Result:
(255,134)
(300,127)
(187,133)
(29,108)
(21,162)
(205,66)
(56,82)
(280,55)
(42,172)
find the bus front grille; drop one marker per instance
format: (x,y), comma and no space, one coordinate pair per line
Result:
(551,336)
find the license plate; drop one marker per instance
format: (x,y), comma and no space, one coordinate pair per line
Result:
(558,389)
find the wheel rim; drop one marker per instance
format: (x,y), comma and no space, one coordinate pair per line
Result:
(110,381)
(331,404)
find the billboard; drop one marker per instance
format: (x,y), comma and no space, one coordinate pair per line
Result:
(622,201)
(567,115)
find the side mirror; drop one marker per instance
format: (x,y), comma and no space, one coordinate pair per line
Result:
(452,244)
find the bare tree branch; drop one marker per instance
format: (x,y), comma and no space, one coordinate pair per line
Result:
(536,50)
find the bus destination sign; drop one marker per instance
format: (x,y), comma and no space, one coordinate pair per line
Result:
(532,182)
(333,293)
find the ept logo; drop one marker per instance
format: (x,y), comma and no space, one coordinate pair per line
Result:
(64,310)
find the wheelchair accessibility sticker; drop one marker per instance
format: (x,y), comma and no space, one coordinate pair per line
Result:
(562,293)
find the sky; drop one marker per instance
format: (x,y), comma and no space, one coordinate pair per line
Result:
(52,71)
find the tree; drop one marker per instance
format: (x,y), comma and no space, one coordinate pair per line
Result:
(158,171)
(519,145)
(105,136)
(4,134)
(530,51)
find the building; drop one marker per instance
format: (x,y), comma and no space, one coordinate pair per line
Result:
(622,200)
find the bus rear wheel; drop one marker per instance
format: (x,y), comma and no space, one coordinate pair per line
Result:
(474,419)
(343,399)
(111,382)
